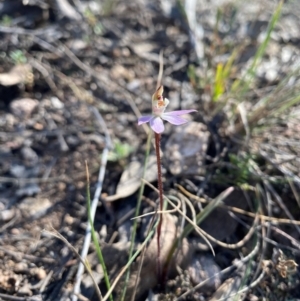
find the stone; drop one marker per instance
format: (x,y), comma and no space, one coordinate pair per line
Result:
(24,107)
(34,207)
(186,149)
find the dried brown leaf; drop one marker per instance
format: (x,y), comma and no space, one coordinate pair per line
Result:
(131,178)
(148,276)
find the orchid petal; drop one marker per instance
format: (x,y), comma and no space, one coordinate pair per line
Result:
(144,119)
(180,112)
(157,125)
(174,119)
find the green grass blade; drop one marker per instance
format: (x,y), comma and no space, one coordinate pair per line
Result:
(131,260)
(222,76)
(94,237)
(219,86)
(137,212)
(289,103)
(242,85)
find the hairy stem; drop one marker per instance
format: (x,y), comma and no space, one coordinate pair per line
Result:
(160,189)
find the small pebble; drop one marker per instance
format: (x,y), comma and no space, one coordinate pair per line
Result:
(286,54)
(69,220)
(21,267)
(38,126)
(81,185)
(203,267)
(34,206)
(40,273)
(25,291)
(61,186)
(15,231)
(29,155)
(7,215)
(23,107)
(56,103)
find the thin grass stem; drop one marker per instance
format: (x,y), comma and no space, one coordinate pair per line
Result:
(137,212)
(93,233)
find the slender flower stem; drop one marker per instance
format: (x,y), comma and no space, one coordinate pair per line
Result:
(160,189)
(159,105)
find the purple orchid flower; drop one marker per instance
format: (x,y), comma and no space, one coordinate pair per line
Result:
(158,113)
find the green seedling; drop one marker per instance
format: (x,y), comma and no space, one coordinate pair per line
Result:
(222,76)
(18,57)
(242,173)
(6,21)
(121,151)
